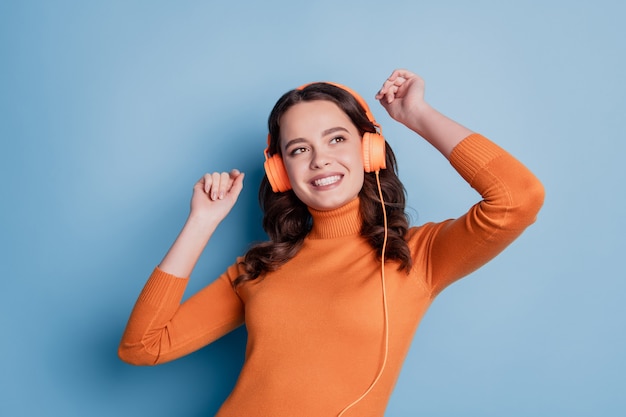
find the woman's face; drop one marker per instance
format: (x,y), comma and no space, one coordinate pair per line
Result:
(321,149)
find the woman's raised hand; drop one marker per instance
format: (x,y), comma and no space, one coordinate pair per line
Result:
(402,95)
(215,194)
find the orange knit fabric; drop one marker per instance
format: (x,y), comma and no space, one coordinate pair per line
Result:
(315,326)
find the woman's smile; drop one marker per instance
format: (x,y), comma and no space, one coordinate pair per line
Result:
(326,181)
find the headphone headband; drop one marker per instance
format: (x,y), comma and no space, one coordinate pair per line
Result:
(354,94)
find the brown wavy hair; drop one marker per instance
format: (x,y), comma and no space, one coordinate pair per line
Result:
(287,220)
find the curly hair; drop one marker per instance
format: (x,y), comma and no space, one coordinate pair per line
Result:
(287,220)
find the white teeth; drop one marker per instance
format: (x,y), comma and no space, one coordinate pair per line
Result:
(327,181)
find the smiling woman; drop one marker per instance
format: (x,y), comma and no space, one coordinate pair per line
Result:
(332,300)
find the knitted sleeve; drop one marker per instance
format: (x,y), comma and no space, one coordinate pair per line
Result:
(161,328)
(511,199)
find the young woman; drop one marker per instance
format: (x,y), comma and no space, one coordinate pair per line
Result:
(331,301)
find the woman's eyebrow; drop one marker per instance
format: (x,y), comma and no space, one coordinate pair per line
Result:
(333,130)
(324,133)
(294,142)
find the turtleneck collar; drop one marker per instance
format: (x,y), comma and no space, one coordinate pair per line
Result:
(342,221)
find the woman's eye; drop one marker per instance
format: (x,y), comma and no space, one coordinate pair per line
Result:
(337,139)
(296,151)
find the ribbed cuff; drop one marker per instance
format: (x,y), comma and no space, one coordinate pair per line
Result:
(162,286)
(472,154)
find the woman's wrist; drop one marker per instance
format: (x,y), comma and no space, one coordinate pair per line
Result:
(420,118)
(201,223)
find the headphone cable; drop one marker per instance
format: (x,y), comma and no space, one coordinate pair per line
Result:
(385,309)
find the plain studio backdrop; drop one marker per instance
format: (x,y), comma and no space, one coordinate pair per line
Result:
(111,110)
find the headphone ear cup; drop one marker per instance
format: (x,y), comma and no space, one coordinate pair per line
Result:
(373,152)
(277,174)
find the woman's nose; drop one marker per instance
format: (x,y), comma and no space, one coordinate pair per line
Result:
(320,159)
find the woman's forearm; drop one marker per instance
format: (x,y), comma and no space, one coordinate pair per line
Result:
(184,253)
(213,197)
(439,130)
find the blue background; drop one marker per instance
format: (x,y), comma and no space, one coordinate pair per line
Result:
(111,110)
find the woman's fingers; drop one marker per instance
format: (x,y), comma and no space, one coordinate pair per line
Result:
(217,184)
(391,87)
(205,182)
(234,173)
(237,184)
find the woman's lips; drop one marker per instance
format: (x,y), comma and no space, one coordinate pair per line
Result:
(325,181)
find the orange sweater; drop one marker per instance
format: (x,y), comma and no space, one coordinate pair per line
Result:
(315,326)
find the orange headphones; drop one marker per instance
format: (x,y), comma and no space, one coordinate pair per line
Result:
(373,145)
